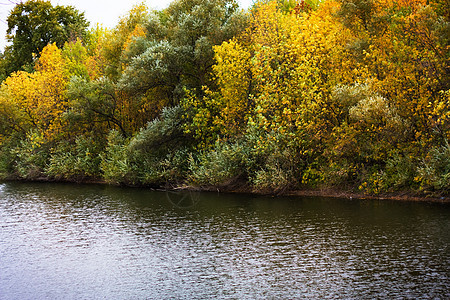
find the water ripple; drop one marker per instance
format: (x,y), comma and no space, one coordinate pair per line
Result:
(66,242)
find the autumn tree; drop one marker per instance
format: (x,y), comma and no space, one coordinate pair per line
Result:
(407,60)
(399,111)
(275,73)
(34,24)
(40,97)
(116,41)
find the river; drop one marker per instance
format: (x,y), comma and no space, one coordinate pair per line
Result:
(64,241)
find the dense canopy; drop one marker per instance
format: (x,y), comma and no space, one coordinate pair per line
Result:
(344,94)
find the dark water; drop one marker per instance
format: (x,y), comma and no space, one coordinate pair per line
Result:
(97,242)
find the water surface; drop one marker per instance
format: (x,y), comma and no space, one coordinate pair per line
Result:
(61,241)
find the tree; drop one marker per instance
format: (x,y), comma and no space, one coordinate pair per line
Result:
(182,56)
(34,24)
(96,106)
(117,40)
(274,76)
(151,58)
(38,98)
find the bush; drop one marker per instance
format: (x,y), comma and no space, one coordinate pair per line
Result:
(273,178)
(159,153)
(338,173)
(7,157)
(434,172)
(279,168)
(75,161)
(223,165)
(266,161)
(399,172)
(167,170)
(31,156)
(115,164)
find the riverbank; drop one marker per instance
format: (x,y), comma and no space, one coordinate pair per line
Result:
(400,196)
(245,189)
(329,193)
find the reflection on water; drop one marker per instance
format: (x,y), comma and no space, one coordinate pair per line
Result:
(87,242)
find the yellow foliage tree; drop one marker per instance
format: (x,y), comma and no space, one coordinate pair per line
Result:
(276,75)
(40,97)
(410,64)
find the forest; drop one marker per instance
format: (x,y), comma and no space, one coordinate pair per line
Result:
(352,95)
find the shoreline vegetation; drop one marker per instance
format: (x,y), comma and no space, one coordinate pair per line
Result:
(339,98)
(406,196)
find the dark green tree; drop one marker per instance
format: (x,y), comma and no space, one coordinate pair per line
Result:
(34,24)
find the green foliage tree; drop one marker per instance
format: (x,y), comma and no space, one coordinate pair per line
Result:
(176,52)
(159,153)
(34,24)
(95,106)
